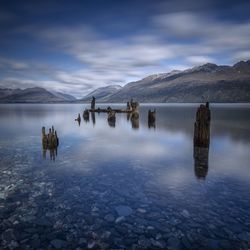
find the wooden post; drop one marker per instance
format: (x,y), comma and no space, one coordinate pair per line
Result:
(202,140)
(202,126)
(93,103)
(44,138)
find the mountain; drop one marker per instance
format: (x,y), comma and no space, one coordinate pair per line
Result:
(66,97)
(208,82)
(32,95)
(102,94)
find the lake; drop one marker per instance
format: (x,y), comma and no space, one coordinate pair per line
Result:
(124,185)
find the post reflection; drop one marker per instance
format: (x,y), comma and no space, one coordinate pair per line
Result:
(135,121)
(111,118)
(93,118)
(78,119)
(201,162)
(86,115)
(52,153)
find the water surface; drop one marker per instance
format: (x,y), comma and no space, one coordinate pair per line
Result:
(128,186)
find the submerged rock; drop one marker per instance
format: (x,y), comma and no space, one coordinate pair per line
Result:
(57,243)
(123,210)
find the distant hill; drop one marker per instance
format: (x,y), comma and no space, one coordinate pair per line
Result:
(208,82)
(102,94)
(32,95)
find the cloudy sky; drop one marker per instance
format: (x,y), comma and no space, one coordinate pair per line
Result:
(77,46)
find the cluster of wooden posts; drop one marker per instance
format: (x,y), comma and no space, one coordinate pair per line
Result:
(201,139)
(50,140)
(132,111)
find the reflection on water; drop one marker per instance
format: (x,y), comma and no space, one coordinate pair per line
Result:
(134,122)
(201,162)
(113,187)
(93,118)
(52,153)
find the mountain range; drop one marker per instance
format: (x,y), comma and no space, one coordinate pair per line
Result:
(208,82)
(33,95)
(103,93)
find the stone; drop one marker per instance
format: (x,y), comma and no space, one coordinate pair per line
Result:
(158,243)
(123,210)
(244,236)
(82,241)
(185,213)
(173,243)
(109,218)
(120,219)
(57,243)
(141,210)
(91,244)
(8,235)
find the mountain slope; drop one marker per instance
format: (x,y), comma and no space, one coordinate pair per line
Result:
(30,95)
(63,96)
(207,82)
(102,94)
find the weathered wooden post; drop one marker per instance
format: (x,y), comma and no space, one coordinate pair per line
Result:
(57,139)
(151,119)
(44,138)
(49,138)
(202,126)
(201,140)
(93,103)
(128,106)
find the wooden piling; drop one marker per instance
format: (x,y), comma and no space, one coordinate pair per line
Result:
(202,126)
(93,103)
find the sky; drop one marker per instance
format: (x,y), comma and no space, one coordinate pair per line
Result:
(77,46)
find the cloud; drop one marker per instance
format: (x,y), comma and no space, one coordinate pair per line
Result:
(198,60)
(6,63)
(176,40)
(207,31)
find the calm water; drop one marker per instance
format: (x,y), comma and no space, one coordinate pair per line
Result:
(124,187)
